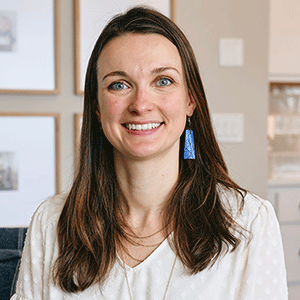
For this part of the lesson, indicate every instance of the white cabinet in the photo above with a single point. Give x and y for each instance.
(288, 206)
(294, 292)
(291, 242)
(286, 201)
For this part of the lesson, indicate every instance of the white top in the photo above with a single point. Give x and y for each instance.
(253, 272)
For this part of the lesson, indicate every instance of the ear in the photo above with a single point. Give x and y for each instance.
(191, 105)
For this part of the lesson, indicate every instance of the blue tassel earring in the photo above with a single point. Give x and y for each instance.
(189, 146)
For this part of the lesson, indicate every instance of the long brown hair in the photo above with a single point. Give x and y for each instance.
(90, 224)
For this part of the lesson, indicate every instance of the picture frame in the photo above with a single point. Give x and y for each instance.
(29, 164)
(29, 47)
(90, 18)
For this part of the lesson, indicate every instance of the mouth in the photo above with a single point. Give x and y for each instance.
(141, 127)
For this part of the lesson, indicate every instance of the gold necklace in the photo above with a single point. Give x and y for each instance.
(168, 283)
(141, 260)
(137, 244)
(147, 236)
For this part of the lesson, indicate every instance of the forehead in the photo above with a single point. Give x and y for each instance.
(139, 49)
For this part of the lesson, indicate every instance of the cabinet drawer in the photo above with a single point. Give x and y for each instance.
(291, 245)
(294, 292)
(288, 206)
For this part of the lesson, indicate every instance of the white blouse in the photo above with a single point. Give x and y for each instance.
(255, 271)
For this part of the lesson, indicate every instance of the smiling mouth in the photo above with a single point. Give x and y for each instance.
(138, 127)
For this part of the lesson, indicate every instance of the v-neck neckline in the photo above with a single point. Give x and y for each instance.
(148, 259)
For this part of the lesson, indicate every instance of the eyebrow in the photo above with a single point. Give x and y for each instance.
(162, 69)
(115, 73)
(154, 71)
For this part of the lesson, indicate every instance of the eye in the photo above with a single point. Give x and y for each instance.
(117, 86)
(164, 81)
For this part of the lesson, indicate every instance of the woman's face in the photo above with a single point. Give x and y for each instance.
(142, 94)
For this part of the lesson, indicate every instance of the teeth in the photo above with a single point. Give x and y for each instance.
(142, 126)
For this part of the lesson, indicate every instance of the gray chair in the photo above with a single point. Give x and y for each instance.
(11, 246)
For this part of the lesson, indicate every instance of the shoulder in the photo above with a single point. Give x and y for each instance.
(49, 211)
(257, 211)
(248, 211)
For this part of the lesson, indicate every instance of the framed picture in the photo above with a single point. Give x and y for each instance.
(29, 47)
(29, 164)
(77, 131)
(90, 19)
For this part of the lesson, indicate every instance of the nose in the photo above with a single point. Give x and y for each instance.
(140, 102)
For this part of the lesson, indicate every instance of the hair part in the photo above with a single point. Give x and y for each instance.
(91, 224)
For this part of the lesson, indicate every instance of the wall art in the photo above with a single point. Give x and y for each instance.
(29, 57)
(29, 164)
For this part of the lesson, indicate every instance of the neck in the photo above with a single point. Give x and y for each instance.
(146, 186)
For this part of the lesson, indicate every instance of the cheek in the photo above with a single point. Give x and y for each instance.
(110, 116)
(176, 114)
(176, 106)
(110, 110)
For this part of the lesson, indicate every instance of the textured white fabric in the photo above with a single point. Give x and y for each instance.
(255, 271)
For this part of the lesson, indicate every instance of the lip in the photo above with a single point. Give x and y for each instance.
(142, 132)
(141, 122)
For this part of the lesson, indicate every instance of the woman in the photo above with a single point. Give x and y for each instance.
(150, 215)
